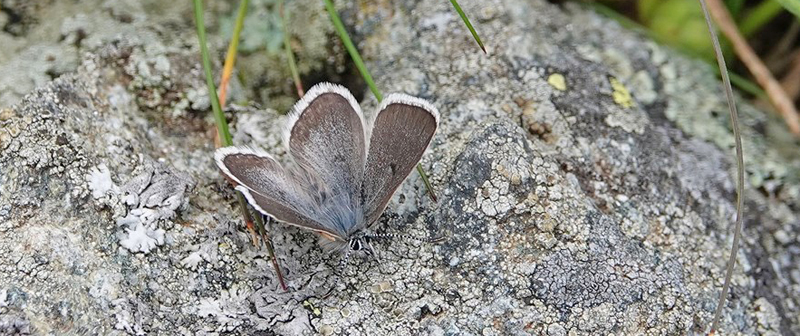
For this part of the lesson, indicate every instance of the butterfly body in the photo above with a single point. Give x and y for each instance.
(345, 170)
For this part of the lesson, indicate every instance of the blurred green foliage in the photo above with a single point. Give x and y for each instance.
(791, 5)
(262, 27)
(679, 23)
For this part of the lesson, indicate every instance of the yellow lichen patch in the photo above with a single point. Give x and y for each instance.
(557, 81)
(385, 286)
(308, 305)
(326, 330)
(6, 114)
(621, 94)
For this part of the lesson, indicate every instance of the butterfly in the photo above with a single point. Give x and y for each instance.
(344, 170)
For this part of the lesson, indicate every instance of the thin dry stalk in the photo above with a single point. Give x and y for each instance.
(780, 100)
(791, 82)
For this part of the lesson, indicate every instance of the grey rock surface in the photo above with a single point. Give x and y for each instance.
(44, 39)
(584, 177)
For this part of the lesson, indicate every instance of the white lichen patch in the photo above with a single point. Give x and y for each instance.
(207, 251)
(100, 183)
(643, 87)
(260, 130)
(229, 310)
(152, 198)
(142, 238)
(3, 297)
(630, 119)
(767, 318)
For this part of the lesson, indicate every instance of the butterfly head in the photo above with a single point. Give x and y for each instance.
(360, 243)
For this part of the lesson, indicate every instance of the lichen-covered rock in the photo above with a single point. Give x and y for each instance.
(584, 178)
(44, 39)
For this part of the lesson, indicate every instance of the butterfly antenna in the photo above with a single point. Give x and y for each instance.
(405, 237)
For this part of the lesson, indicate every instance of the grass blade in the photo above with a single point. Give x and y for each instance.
(230, 57)
(219, 117)
(759, 16)
(792, 6)
(227, 70)
(427, 183)
(469, 25)
(222, 125)
(288, 49)
(351, 49)
(739, 168)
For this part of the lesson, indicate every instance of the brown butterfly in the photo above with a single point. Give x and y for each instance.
(344, 172)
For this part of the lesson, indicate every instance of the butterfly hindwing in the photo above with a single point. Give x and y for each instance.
(269, 188)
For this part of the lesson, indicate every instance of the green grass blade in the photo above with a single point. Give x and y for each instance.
(351, 49)
(759, 16)
(427, 183)
(734, 6)
(219, 117)
(288, 50)
(745, 84)
(469, 25)
(792, 6)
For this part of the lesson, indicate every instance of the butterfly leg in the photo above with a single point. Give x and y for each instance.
(374, 253)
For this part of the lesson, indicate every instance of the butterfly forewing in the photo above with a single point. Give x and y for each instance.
(401, 132)
(326, 137)
(269, 188)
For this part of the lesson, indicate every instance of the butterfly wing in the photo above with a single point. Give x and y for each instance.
(401, 131)
(269, 188)
(325, 135)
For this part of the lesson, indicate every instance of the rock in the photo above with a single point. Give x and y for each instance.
(584, 177)
(44, 40)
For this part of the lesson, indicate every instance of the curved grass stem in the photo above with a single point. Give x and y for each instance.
(739, 169)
